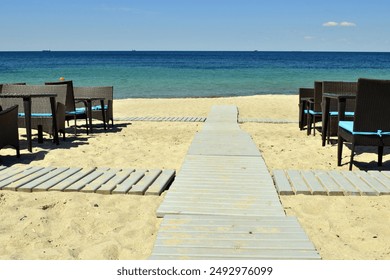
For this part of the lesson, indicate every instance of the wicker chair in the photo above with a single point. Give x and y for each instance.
(314, 109)
(339, 87)
(305, 95)
(9, 135)
(107, 93)
(70, 105)
(371, 125)
(41, 118)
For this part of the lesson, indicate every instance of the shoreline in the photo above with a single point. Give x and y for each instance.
(54, 225)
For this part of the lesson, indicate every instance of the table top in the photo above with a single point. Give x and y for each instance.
(339, 95)
(89, 98)
(24, 95)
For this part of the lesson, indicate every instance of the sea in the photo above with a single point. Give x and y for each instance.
(167, 74)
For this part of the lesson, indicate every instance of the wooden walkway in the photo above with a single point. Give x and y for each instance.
(291, 182)
(90, 180)
(223, 203)
(162, 119)
(198, 119)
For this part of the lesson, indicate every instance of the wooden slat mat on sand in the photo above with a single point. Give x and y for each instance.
(223, 203)
(96, 180)
(332, 182)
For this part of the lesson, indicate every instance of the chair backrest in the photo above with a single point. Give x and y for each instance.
(69, 103)
(317, 96)
(372, 106)
(38, 105)
(306, 93)
(106, 92)
(9, 127)
(341, 87)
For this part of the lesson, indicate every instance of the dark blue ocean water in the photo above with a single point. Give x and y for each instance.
(154, 74)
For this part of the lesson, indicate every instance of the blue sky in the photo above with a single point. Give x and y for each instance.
(329, 25)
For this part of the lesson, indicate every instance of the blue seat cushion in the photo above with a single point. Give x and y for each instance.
(80, 110)
(348, 114)
(77, 112)
(99, 108)
(37, 115)
(348, 126)
(312, 112)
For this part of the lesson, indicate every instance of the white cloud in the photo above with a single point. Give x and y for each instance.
(347, 24)
(342, 24)
(330, 24)
(309, 38)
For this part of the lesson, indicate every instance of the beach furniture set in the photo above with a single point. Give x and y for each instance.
(48, 107)
(356, 112)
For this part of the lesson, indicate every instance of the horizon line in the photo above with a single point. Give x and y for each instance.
(135, 50)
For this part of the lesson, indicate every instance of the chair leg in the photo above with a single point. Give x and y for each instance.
(17, 152)
(301, 115)
(328, 130)
(87, 125)
(352, 155)
(314, 125)
(75, 125)
(309, 121)
(380, 155)
(40, 134)
(340, 144)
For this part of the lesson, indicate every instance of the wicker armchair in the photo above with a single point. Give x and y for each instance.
(371, 125)
(41, 118)
(9, 135)
(305, 95)
(107, 93)
(70, 105)
(342, 88)
(314, 109)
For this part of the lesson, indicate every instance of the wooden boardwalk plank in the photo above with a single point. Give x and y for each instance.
(381, 178)
(32, 176)
(358, 183)
(222, 199)
(10, 172)
(347, 187)
(142, 185)
(162, 182)
(50, 183)
(234, 243)
(313, 183)
(96, 184)
(373, 182)
(4, 184)
(298, 184)
(111, 185)
(125, 185)
(80, 184)
(329, 179)
(179, 209)
(282, 184)
(237, 253)
(4, 169)
(66, 182)
(41, 180)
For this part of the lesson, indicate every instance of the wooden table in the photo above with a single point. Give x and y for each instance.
(88, 101)
(27, 111)
(342, 100)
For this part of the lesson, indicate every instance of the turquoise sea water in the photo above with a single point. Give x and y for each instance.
(154, 74)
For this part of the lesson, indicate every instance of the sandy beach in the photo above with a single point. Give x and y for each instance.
(55, 225)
